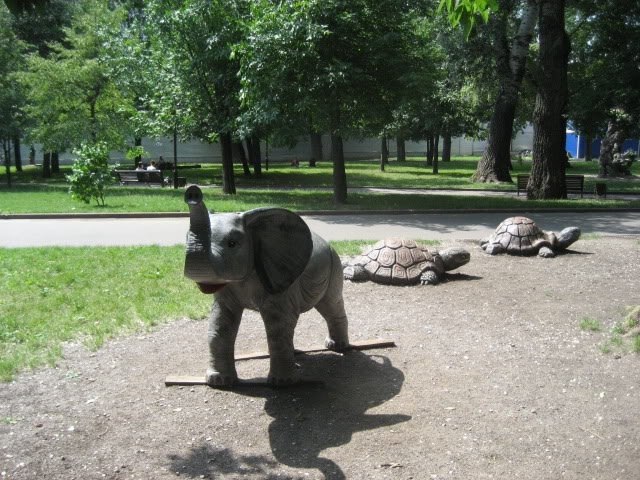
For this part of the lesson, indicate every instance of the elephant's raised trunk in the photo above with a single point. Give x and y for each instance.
(198, 213)
(197, 265)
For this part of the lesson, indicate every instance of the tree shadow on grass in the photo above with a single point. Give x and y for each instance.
(310, 419)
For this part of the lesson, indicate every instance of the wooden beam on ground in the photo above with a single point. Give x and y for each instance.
(189, 380)
(358, 345)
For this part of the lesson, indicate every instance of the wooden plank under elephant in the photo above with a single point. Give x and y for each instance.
(188, 380)
(357, 345)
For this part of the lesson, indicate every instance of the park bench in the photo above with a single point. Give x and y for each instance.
(140, 177)
(573, 184)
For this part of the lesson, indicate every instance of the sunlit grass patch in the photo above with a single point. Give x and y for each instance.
(55, 295)
(305, 189)
(590, 324)
(625, 334)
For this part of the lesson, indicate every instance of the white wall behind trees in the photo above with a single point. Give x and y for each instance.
(197, 152)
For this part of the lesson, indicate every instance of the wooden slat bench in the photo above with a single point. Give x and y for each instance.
(573, 184)
(140, 177)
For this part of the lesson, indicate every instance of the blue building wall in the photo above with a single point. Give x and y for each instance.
(576, 145)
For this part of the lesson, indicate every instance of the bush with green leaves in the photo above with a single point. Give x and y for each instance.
(91, 173)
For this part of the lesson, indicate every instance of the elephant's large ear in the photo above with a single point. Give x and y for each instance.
(282, 246)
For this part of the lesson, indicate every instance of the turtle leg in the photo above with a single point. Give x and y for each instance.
(546, 252)
(429, 277)
(355, 273)
(494, 248)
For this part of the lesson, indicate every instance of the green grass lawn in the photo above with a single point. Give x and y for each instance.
(56, 295)
(305, 189)
(37, 199)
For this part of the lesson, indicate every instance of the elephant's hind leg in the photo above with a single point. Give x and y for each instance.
(332, 309)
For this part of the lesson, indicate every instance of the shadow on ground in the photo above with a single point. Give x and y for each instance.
(308, 420)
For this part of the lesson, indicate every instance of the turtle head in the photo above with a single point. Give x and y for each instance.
(567, 236)
(454, 257)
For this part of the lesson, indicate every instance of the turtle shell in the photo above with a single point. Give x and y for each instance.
(519, 236)
(396, 261)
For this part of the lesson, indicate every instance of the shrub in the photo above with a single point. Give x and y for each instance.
(90, 173)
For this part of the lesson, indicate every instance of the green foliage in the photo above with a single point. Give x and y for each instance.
(41, 24)
(466, 12)
(604, 37)
(72, 96)
(324, 64)
(192, 41)
(91, 173)
(136, 152)
(12, 62)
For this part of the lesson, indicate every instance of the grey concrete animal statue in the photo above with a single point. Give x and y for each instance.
(521, 236)
(401, 261)
(266, 260)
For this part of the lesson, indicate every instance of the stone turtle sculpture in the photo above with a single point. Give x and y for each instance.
(400, 261)
(521, 236)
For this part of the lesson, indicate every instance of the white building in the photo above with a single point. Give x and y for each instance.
(197, 152)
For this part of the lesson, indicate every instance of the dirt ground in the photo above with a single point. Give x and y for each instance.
(492, 377)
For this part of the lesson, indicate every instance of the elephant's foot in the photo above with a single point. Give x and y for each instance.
(217, 379)
(336, 345)
(284, 377)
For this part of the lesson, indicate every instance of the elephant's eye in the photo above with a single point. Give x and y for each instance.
(232, 243)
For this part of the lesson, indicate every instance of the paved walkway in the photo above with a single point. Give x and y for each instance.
(171, 231)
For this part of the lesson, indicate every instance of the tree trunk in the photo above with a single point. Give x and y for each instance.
(17, 155)
(549, 121)
(429, 150)
(228, 179)
(240, 155)
(611, 144)
(511, 62)
(316, 148)
(494, 164)
(588, 152)
(137, 142)
(46, 165)
(255, 155)
(384, 152)
(55, 162)
(446, 147)
(401, 149)
(436, 142)
(339, 172)
(7, 161)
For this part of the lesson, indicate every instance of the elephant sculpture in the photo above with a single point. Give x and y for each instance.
(266, 260)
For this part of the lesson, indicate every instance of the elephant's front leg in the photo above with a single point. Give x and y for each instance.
(280, 326)
(223, 329)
